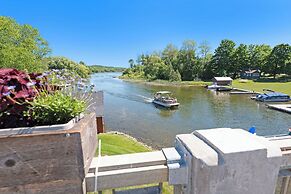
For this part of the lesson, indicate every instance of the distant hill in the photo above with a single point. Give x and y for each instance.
(100, 69)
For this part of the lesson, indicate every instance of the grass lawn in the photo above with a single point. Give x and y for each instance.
(167, 83)
(284, 87)
(113, 144)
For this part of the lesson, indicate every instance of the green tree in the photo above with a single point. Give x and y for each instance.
(189, 67)
(155, 68)
(204, 58)
(131, 63)
(222, 60)
(21, 46)
(170, 56)
(64, 63)
(204, 51)
(279, 60)
(240, 60)
(258, 55)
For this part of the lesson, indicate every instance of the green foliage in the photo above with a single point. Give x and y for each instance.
(100, 69)
(240, 60)
(223, 58)
(21, 46)
(175, 75)
(258, 56)
(189, 63)
(63, 63)
(279, 60)
(55, 108)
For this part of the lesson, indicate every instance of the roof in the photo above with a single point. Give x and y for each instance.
(163, 92)
(222, 78)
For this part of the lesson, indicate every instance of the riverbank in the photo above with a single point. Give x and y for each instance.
(249, 85)
(114, 143)
(167, 83)
(259, 87)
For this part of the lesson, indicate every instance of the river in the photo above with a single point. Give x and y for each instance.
(128, 109)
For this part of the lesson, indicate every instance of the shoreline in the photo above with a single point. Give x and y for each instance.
(138, 140)
(167, 83)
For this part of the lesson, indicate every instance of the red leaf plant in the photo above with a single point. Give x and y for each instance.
(16, 89)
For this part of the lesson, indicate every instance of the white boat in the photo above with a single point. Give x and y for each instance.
(163, 98)
(213, 86)
(224, 88)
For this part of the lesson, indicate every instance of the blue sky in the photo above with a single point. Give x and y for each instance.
(110, 32)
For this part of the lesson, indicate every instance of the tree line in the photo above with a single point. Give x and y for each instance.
(101, 69)
(195, 62)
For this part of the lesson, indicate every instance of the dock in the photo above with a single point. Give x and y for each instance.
(242, 91)
(280, 107)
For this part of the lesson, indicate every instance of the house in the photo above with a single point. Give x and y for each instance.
(250, 74)
(222, 81)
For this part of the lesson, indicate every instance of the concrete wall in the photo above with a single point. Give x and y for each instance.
(229, 161)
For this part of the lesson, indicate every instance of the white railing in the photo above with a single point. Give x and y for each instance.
(154, 167)
(127, 170)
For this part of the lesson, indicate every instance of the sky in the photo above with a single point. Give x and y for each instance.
(110, 32)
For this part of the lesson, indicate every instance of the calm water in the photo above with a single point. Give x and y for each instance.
(128, 109)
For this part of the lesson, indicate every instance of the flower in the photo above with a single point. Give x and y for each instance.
(6, 93)
(39, 77)
(11, 87)
(29, 84)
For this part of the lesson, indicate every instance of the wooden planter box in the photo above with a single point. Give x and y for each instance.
(54, 161)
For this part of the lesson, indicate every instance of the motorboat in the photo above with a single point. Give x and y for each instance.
(224, 89)
(213, 86)
(272, 97)
(163, 98)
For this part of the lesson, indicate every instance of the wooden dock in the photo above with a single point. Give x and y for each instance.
(242, 91)
(280, 107)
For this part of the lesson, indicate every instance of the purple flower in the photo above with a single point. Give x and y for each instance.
(6, 93)
(11, 87)
(29, 84)
(39, 77)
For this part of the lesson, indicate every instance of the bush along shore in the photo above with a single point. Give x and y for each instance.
(191, 62)
(166, 83)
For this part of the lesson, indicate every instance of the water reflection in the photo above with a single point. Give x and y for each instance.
(128, 108)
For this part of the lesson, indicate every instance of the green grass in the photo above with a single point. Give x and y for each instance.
(284, 87)
(165, 82)
(114, 144)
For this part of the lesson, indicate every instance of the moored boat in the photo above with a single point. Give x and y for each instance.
(163, 98)
(224, 88)
(213, 86)
(272, 97)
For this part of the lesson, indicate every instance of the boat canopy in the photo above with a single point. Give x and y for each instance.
(272, 94)
(163, 92)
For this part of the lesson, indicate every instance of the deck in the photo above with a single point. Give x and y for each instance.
(280, 107)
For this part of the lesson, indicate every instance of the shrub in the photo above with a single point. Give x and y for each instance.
(53, 97)
(55, 108)
(21, 46)
(16, 89)
(64, 63)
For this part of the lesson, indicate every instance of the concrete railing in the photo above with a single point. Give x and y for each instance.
(127, 170)
(226, 161)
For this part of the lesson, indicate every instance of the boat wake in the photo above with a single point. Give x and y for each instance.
(132, 97)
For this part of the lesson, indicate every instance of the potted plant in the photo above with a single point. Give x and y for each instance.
(45, 137)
